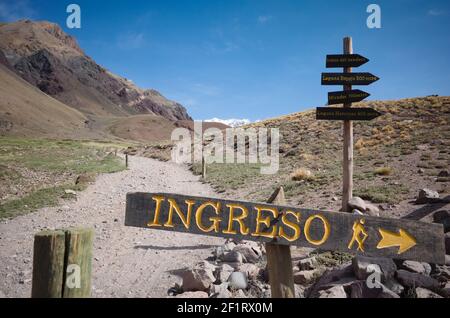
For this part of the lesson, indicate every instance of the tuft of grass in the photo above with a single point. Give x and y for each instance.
(383, 171)
(302, 174)
(383, 194)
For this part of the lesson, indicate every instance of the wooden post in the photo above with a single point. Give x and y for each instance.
(48, 264)
(279, 261)
(78, 262)
(203, 168)
(62, 264)
(347, 189)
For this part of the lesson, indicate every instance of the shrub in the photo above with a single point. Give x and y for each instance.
(383, 171)
(302, 174)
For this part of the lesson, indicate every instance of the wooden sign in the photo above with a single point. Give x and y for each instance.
(346, 60)
(364, 235)
(348, 78)
(333, 113)
(344, 97)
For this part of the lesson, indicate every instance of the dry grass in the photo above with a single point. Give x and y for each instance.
(383, 171)
(302, 174)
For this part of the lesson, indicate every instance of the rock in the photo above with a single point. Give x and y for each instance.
(445, 290)
(427, 196)
(238, 280)
(340, 276)
(85, 178)
(304, 277)
(442, 217)
(357, 212)
(425, 293)
(360, 289)
(220, 291)
(447, 260)
(395, 286)
(233, 257)
(197, 294)
(307, 263)
(444, 174)
(333, 292)
(385, 266)
(224, 272)
(447, 243)
(413, 280)
(200, 278)
(68, 191)
(252, 271)
(421, 171)
(357, 203)
(249, 254)
(416, 267)
(239, 294)
(372, 210)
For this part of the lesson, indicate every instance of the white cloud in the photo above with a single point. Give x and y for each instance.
(262, 19)
(15, 10)
(436, 12)
(131, 41)
(233, 122)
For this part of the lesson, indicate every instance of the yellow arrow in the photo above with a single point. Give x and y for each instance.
(390, 239)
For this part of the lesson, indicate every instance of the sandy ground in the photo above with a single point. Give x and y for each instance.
(128, 262)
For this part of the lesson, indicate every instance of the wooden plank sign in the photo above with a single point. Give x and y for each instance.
(346, 60)
(344, 97)
(348, 78)
(333, 113)
(263, 222)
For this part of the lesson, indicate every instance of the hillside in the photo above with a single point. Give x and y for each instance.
(46, 57)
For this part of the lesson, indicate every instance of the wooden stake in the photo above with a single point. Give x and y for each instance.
(347, 192)
(279, 261)
(78, 262)
(48, 264)
(126, 160)
(203, 168)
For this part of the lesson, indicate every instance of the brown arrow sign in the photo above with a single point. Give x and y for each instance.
(348, 78)
(346, 232)
(333, 113)
(344, 97)
(346, 60)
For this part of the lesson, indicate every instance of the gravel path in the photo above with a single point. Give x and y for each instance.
(128, 262)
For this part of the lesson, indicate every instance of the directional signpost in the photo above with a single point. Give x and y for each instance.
(345, 97)
(268, 223)
(334, 113)
(348, 60)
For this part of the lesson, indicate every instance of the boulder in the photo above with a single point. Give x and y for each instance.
(238, 280)
(414, 280)
(444, 174)
(360, 289)
(200, 278)
(307, 263)
(304, 277)
(85, 178)
(251, 270)
(395, 286)
(233, 257)
(333, 292)
(220, 291)
(249, 254)
(223, 272)
(425, 293)
(365, 266)
(416, 267)
(427, 196)
(358, 204)
(197, 294)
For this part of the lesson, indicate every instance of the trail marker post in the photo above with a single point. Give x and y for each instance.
(348, 60)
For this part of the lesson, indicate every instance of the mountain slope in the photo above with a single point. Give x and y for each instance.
(46, 57)
(26, 111)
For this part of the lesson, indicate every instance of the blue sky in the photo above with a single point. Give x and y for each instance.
(256, 58)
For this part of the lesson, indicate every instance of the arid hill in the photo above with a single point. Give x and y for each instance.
(46, 57)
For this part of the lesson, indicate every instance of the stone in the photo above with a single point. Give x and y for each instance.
(233, 257)
(200, 278)
(85, 178)
(413, 280)
(425, 293)
(427, 196)
(395, 286)
(68, 191)
(333, 277)
(444, 174)
(360, 289)
(442, 217)
(447, 243)
(251, 270)
(238, 280)
(333, 292)
(415, 267)
(239, 294)
(357, 212)
(224, 272)
(445, 290)
(197, 294)
(304, 277)
(248, 253)
(357, 203)
(307, 263)
(220, 291)
(372, 210)
(385, 266)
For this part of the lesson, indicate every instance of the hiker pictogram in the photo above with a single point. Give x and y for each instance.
(359, 235)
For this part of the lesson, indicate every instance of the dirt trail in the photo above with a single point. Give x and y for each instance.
(128, 262)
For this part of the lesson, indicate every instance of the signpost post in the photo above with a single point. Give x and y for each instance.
(283, 225)
(348, 96)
